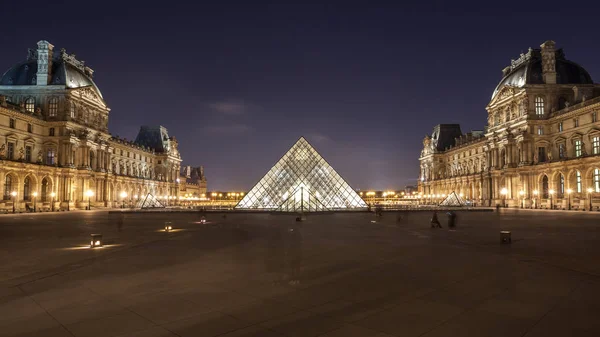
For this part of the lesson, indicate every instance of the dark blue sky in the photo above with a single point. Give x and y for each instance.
(238, 83)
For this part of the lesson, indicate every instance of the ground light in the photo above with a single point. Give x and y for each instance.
(52, 195)
(96, 240)
(168, 227)
(34, 194)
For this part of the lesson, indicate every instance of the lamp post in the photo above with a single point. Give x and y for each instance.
(14, 196)
(590, 190)
(52, 195)
(89, 194)
(504, 191)
(535, 194)
(569, 191)
(522, 194)
(123, 196)
(551, 192)
(34, 194)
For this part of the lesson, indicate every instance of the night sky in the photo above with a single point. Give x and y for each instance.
(238, 83)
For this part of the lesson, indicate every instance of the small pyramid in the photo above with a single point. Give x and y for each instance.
(453, 200)
(150, 201)
(302, 181)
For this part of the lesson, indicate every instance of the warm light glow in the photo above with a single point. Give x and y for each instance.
(123, 194)
(89, 193)
(177, 180)
(590, 190)
(521, 193)
(34, 194)
(13, 193)
(461, 195)
(52, 194)
(135, 196)
(213, 194)
(569, 191)
(242, 193)
(503, 191)
(551, 192)
(535, 192)
(220, 194)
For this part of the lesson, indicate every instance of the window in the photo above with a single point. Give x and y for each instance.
(594, 117)
(596, 180)
(11, 123)
(28, 154)
(539, 106)
(561, 186)
(578, 148)
(561, 151)
(578, 181)
(51, 132)
(45, 190)
(576, 122)
(50, 157)
(541, 154)
(29, 127)
(560, 127)
(72, 110)
(26, 189)
(596, 145)
(8, 186)
(545, 187)
(53, 107)
(121, 152)
(10, 152)
(30, 104)
(540, 130)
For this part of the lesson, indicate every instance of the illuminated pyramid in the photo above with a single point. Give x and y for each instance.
(302, 181)
(150, 201)
(453, 200)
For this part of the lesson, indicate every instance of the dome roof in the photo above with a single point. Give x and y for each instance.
(528, 70)
(63, 73)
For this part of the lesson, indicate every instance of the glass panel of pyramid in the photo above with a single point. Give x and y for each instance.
(454, 200)
(150, 201)
(302, 181)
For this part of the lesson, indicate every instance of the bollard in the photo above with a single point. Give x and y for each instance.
(96, 240)
(505, 237)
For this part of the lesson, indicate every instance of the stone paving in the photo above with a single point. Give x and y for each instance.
(331, 275)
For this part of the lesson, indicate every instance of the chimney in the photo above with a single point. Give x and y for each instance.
(549, 62)
(44, 61)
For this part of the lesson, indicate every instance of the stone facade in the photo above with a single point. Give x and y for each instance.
(541, 146)
(55, 142)
(193, 182)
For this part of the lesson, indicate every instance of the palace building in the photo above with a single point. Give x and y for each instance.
(541, 145)
(56, 150)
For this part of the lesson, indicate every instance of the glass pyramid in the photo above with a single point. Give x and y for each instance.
(302, 181)
(150, 201)
(453, 200)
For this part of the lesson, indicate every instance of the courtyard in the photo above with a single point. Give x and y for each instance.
(340, 274)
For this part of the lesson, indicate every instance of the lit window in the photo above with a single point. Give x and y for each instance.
(10, 151)
(11, 123)
(578, 181)
(51, 132)
(597, 180)
(53, 107)
(50, 157)
(596, 145)
(30, 104)
(560, 127)
(576, 122)
(540, 130)
(578, 148)
(594, 117)
(29, 127)
(561, 151)
(539, 106)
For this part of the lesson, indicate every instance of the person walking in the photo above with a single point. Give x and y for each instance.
(435, 223)
(451, 220)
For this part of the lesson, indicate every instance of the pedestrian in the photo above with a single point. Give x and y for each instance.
(451, 220)
(434, 221)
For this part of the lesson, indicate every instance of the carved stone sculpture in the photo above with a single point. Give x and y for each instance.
(21, 153)
(39, 156)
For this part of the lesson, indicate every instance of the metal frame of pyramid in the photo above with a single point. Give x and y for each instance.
(150, 201)
(453, 200)
(301, 181)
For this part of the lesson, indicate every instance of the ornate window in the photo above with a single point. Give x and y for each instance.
(539, 106)
(12, 123)
(28, 154)
(561, 151)
(51, 132)
(30, 104)
(578, 148)
(53, 107)
(29, 128)
(8, 186)
(10, 151)
(27, 188)
(578, 181)
(561, 186)
(576, 122)
(596, 145)
(45, 190)
(545, 187)
(560, 127)
(597, 180)
(50, 157)
(540, 130)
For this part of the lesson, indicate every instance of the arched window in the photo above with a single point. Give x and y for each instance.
(8, 186)
(539, 106)
(45, 190)
(53, 107)
(597, 180)
(578, 181)
(561, 186)
(26, 189)
(30, 104)
(545, 190)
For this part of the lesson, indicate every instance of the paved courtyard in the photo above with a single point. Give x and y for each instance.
(332, 275)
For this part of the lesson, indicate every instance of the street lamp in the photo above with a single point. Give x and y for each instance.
(504, 191)
(34, 194)
(551, 192)
(89, 194)
(522, 194)
(52, 195)
(123, 196)
(14, 196)
(590, 190)
(535, 194)
(569, 191)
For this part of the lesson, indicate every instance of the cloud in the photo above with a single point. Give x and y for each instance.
(230, 108)
(229, 129)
